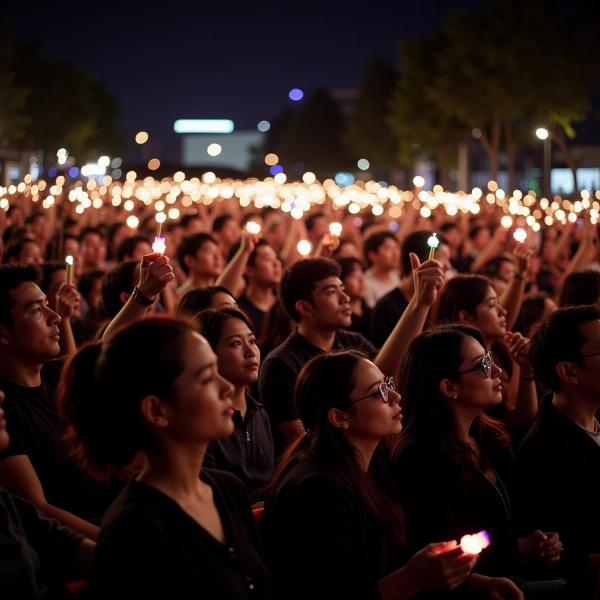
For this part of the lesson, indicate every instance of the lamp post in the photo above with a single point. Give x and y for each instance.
(543, 134)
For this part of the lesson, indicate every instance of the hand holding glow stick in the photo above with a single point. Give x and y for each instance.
(304, 247)
(253, 227)
(335, 229)
(159, 246)
(433, 242)
(69, 260)
(520, 235)
(476, 543)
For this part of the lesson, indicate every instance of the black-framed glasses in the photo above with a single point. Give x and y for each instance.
(383, 391)
(485, 365)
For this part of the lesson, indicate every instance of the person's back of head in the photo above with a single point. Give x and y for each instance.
(565, 350)
(117, 285)
(300, 279)
(581, 287)
(199, 299)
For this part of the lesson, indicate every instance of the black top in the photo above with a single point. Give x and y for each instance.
(149, 547)
(387, 311)
(248, 452)
(35, 430)
(256, 315)
(318, 538)
(441, 508)
(362, 324)
(36, 554)
(558, 484)
(282, 366)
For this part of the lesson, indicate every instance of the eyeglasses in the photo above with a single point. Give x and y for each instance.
(485, 366)
(383, 391)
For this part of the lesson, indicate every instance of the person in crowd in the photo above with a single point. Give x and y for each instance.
(352, 276)
(392, 305)
(226, 231)
(91, 308)
(36, 464)
(176, 528)
(581, 287)
(316, 227)
(133, 248)
(92, 247)
(558, 487)
(117, 232)
(478, 239)
(200, 259)
(23, 251)
(248, 452)
(39, 555)
(261, 269)
(382, 253)
(276, 328)
(471, 299)
(38, 227)
(499, 270)
(312, 294)
(453, 463)
(191, 223)
(347, 247)
(63, 244)
(332, 524)
(199, 299)
(535, 308)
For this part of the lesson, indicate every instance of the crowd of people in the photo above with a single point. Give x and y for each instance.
(235, 419)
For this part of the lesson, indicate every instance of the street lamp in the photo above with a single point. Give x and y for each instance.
(543, 134)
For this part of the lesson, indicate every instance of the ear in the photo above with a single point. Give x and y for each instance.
(304, 308)
(153, 411)
(337, 418)
(567, 373)
(464, 317)
(448, 389)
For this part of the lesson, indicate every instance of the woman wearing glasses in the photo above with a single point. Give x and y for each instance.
(453, 462)
(471, 299)
(331, 527)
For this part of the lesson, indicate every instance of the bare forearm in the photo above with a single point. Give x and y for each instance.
(132, 311)
(512, 299)
(70, 520)
(67, 339)
(232, 275)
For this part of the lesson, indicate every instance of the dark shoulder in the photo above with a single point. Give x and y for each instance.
(352, 340)
(285, 349)
(228, 483)
(52, 369)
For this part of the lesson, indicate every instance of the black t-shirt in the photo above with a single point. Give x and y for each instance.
(362, 324)
(387, 311)
(36, 553)
(36, 431)
(248, 452)
(149, 547)
(256, 315)
(282, 366)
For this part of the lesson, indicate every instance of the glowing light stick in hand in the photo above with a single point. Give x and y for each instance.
(474, 544)
(433, 242)
(69, 261)
(335, 229)
(253, 227)
(520, 235)
(159, 246)
(304, 247)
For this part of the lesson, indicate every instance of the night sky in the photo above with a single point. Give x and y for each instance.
(235, 60)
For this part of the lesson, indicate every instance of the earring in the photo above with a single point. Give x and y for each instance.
(345, 425)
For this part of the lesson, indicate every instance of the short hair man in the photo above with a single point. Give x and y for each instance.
(200, 259)
(558, 464)
(382, 251)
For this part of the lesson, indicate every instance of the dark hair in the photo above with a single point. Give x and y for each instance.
(190, 245)
(299, 280)
(48, 269)
(210, 323)
(220, 221)
(85, 282)
(348, 264)
(558, 339)
(249, 216)
(128, 245)
(474, 231)
(121, 278)
(14, 249)
(427, 414)
(102, 385)
(448, 226)
(187, 219)
(416, 243)
(252, 258)
(199, 299)
(531, 313)
(87, 230)
(374, 242)
(463, 292)
(309, 222)
(55, 248)
(581, 287)
(11, 277)
(275, 329)
(326, 382)
(492, 267)
(35, 216)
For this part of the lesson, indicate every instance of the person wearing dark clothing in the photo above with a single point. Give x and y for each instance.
(177, 530)
(558, 463)
(255, 314)
(353, 278)
(385, 314)
(150, 547)
(248, 452)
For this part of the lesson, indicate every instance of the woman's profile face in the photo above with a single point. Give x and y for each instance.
(201, 409)
(475, 387)
(237, 353)
(369, 417)
(490, 316)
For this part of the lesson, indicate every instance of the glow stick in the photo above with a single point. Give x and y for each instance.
(474, 544)
(520, 235)
(304, 247)
(159, 246)
(69, 261)
(335, 229)
(433, 242)
(253, 227)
